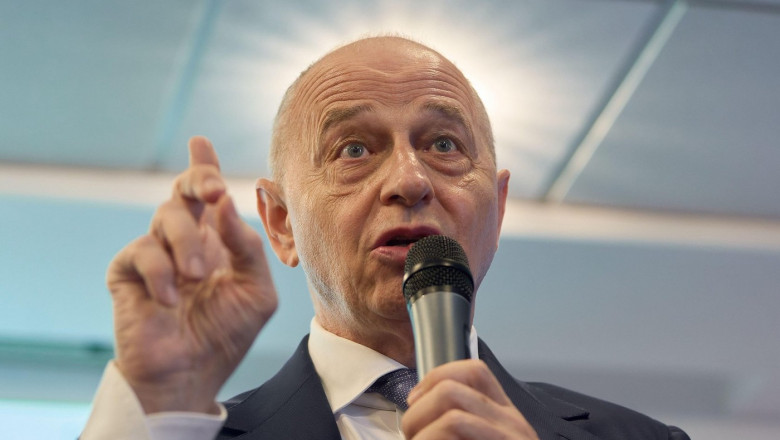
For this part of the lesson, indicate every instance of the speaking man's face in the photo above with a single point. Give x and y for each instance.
(390, 154)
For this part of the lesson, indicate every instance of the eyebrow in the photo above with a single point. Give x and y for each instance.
(448, 111)
(339, 115)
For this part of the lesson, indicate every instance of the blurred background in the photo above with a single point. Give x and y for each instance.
(640, 256)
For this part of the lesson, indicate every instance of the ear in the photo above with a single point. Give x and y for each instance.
(276, 221)
(502, 184)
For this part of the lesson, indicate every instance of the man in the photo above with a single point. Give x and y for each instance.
(376, 145)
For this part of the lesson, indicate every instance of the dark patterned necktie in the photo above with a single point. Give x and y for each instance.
(395, 386)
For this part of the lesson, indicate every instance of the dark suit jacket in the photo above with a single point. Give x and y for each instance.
(293, 405)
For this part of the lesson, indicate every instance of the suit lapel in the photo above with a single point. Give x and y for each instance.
(291, 405)
(549, 416)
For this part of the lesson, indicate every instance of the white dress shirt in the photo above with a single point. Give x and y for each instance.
(346, 370)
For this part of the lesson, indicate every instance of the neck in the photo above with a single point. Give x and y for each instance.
(393, 339)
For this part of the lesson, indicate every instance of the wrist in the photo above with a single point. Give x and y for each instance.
(179, 392)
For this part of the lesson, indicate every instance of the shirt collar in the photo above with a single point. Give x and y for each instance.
(347, 369)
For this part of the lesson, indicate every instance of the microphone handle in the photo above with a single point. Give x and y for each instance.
(440, 321)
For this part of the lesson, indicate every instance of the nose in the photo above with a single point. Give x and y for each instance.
(407, 181)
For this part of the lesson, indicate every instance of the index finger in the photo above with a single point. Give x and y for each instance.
(202, 181)
(202, 152)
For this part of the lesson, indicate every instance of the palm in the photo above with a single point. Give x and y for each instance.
(175, 325)
(214, 322)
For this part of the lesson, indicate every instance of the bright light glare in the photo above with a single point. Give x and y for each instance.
(473, 35)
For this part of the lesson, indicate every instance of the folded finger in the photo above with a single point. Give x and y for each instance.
(199, 183)
(471, 372)
(447, 396)
(179, 232)
(458, 424)
(458, 409)
(146, 261)
(202, 180)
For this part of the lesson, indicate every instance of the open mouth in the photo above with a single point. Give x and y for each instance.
(402, 241)
(407, 238)
(404, 237)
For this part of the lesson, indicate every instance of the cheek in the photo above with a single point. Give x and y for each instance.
(330, 223)
(476, 221)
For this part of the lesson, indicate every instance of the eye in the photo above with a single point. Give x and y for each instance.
(444, 145)
(354, 151)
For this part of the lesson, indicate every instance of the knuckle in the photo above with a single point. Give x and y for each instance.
(156, 271)
(199, 173)
(205, 170)
(448, 387)
(477, 372)
(163, 211)
(482, 371)
(181, 179)
(165, 208)
(144, 241)
(452, 392)
(454, 419)
(135, 247)
(124, 264)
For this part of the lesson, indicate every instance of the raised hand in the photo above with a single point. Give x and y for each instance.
(191, 295)
(463, 400)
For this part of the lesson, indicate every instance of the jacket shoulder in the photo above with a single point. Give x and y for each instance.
(605, 419)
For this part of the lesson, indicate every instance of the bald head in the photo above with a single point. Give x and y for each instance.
(293, 131)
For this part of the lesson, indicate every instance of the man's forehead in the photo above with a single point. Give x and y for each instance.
(437, 106)
(343, 82)
(373, 73)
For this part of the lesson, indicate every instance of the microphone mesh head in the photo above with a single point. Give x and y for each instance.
(437, 261)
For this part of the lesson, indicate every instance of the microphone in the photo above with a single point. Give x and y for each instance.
(438, 288)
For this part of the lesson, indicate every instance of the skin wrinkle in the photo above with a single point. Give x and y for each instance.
(342, 204)
(281, 131)
(315, 279)
(461, 171)
(337, 116)
(444, 106)
(282, 122)
(333, 74)
(329, 148)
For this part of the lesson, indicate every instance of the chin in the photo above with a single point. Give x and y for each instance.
(393, 307)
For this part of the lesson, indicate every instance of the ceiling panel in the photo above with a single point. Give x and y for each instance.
(541, 67)
(117, 85)
(700, 134)
(86, 82)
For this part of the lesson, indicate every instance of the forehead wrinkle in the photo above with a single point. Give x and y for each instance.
(317, 81)
(339, 81)
(401, 91)
(327, 85)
